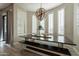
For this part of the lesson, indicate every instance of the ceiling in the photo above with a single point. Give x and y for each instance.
(3, 5)
(35, 6)
(32, 6)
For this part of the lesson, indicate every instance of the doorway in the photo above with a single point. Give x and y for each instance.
(4, 17)
(3, 28)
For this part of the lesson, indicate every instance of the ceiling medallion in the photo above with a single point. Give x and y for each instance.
(40, 13)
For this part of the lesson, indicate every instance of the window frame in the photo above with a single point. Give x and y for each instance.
(52, 23)
(63, 21)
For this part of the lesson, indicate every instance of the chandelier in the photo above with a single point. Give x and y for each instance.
(40, 13)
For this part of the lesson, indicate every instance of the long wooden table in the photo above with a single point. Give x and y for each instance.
(60, 40)
(45, 49)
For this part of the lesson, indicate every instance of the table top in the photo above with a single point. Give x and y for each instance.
(29, 36)
(50, 38)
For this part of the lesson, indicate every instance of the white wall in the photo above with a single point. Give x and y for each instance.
(19, 15)
(29, 22)
(76, 27)
(69, 17)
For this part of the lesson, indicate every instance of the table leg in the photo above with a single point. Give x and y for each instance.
(60, 45)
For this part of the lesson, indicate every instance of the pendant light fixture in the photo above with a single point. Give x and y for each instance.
(40, 13)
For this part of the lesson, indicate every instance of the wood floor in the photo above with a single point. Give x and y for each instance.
(6, 50)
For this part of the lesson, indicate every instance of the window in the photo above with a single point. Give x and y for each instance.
(61, 22)
(42, 23)
(42, 30)
(50, 23)
(34, 24)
